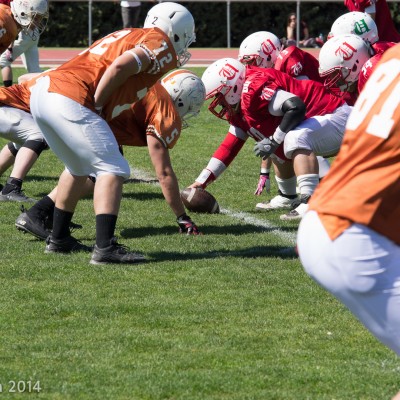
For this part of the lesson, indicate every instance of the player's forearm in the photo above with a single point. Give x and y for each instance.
(170, 188)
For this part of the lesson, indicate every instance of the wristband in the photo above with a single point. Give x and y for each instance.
(279, 135)
(139, 63)
(205, 177)
(183, 216)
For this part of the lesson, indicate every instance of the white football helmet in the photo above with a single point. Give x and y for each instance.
(357, 23)
(341, 60)
(187, 92)
(177, 23)
(224, 80)
(260, 49)
(32, 15)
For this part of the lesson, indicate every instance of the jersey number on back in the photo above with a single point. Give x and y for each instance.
(382, 120)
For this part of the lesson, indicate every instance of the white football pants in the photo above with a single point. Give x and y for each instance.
(80, 138)
(361, 268)
(18, 126)
(322, 134)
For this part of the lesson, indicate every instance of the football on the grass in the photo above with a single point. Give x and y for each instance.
(199, 200)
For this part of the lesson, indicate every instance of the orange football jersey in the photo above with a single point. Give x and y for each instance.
(17, 96)
(363, 185)
(155, 115)
(79, 77)
(8, 28)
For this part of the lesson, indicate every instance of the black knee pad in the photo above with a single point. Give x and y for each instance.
(36, 145)
(12, 148)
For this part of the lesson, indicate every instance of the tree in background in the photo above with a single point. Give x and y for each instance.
(68, 23)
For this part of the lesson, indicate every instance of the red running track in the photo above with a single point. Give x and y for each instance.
(51, 57)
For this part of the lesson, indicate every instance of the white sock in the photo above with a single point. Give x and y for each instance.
(307, 183)
(287, 186)
(324, 166)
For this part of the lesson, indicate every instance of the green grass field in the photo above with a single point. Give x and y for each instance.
(229, 315)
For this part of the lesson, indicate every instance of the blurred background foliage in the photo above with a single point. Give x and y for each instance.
(68, 23)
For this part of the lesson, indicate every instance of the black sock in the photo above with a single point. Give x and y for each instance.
(8, 83)
(12, 184)
(42, 208)
(61, 223)
(105, 228)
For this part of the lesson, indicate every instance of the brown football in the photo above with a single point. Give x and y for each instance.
(199, 200)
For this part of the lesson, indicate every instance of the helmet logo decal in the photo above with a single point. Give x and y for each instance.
(346, 51)
(361, 27)
(228, 71)
(267, 47)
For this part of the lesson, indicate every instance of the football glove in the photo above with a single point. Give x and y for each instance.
(263, 182)
(186, 225)
(265, 147)
(9, 54)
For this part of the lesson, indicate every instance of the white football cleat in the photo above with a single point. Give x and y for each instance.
(277, 203)
(296, 214)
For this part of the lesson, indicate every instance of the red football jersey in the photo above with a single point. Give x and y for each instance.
(297, 62)
(262, 83)
(368, 67)
(363, 184)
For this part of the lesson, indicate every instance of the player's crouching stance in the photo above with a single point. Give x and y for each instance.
(107, 78)
(177, 98)
(350, 244)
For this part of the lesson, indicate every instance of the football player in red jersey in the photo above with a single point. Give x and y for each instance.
(264, 49)
(349, 240)
(362, 24)
(270, 106)
(105, 79)
(380, 12)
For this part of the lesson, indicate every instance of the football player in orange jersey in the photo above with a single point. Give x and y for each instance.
(105, 79)
(349, 240)
(32, 15)
(154, 121)
(28, 16)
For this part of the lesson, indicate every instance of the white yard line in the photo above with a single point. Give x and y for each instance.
(286, 237)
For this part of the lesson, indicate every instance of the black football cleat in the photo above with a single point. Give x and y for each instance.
(16, 195)
(66, 245)
(33, 226)
(115, 254)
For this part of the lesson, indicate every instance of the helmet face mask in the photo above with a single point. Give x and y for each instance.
(177, 23)
(260, 49)
(31, 15)
(224, 80)
(341, 60)
(187, 92)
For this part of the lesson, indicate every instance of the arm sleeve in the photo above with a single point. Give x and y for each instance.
(222, 157)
